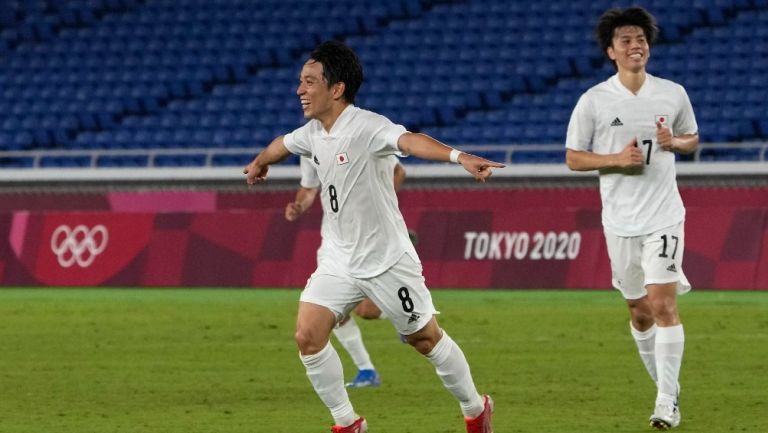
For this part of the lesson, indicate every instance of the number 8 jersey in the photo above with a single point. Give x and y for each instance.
(606, 118)
(364, 233)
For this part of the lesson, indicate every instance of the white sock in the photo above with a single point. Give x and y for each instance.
(646, 347)
(325, 372)
(669, 355)
(453, 370)
(350, 337)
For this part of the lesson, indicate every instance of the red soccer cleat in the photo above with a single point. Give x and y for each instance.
(481, 424)
(359, 426)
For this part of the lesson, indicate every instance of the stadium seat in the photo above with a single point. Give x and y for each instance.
(217, 73)
(128, 161)
(66, 161)
(739, 155)
(538, 157)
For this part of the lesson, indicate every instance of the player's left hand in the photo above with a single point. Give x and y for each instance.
(293, 210)
(479, 168)
(664, 137)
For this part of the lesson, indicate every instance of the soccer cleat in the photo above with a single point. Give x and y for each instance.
(482, 423)
(364, 379)
(665, 417)
(359, 426)
(672, 418)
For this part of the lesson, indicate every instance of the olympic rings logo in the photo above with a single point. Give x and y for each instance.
(80, 245)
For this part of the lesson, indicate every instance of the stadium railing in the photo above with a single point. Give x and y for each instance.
(750, 159)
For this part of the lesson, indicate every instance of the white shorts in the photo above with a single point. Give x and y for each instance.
(399, 292)
(656, 258)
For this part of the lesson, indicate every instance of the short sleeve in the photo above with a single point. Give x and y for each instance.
(685, 121)
(385, 136)
(581, 127)
(392, 134)
(309, 177)
(297, 142)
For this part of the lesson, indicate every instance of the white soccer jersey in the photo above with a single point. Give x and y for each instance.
(309, 178)
(364, 232)
(606, 118)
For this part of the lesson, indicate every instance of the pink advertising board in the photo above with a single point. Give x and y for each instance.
(489, 238)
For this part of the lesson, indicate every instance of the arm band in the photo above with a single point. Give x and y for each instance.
(454, 156)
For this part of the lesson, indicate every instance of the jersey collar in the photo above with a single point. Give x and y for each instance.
(339, 123)
(645, 89)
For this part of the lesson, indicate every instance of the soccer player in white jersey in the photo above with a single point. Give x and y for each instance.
(629, 127)
(347, 331)
(369, 252)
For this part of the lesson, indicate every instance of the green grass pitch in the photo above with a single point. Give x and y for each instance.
(215, 360)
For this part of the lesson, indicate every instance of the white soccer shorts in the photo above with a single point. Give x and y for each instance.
(638, 261)
(399, 292)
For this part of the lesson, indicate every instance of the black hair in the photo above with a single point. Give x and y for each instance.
(615, 18)
(340, 65)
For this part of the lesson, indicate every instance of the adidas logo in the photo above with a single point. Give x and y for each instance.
(617, 122)
(672, 268)
(314, 158)
(414, 317)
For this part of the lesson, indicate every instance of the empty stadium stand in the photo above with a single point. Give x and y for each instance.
(173, 83)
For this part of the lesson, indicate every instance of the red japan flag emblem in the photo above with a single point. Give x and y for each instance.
(663, 119)
(342, 158)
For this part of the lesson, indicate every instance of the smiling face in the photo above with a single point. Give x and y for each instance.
(629, 49)
(316, 96)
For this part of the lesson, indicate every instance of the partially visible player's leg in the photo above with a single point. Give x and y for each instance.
(661, 349)
(453, 369)
(369, 311)
(631, 258)
(670, 342)
(450, 364)
(664, 277)
(324, 301)
(643, 330)
(313, 327)
(349, 335)
(401, 294)
(627, 277)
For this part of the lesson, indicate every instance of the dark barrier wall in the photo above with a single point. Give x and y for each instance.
(488, 238)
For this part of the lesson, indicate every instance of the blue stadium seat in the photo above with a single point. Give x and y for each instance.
(538, 157)
(730, 155)
(73, 161)
(162, 74)
(16, 162)
(229, 160)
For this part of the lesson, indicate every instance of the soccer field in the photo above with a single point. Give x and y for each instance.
(215, 360)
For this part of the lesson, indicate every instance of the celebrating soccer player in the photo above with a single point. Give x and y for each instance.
(629, 127)
(347, 331)
(370, 254)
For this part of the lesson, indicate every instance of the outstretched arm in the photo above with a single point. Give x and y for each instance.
(256, 171)
(426, 147)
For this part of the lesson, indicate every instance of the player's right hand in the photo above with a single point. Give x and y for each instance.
(292, 211)
(631, 156)
(255, 172)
